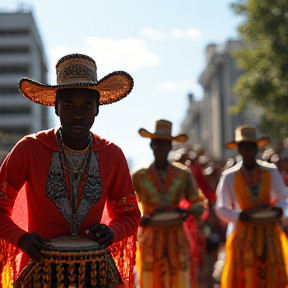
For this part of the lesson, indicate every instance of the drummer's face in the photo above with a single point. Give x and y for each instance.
(161, 148)
(77, 109)
(248, 151)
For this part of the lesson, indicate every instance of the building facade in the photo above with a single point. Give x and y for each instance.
(209, 123)
(21, 55)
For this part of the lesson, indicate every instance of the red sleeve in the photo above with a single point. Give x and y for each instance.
(122, 206)
(12, 178)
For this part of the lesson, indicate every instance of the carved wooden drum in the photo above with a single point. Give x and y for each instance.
(70, 263)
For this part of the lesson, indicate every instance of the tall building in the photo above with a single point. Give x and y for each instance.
(21, 54)
(208, 123)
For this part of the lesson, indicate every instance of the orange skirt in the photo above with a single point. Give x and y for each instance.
(163, 258)
(256, 257)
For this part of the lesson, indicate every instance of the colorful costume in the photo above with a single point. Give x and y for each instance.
(256, 250)
(106, 180)
(164, 254)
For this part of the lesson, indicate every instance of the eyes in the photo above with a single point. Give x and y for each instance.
(86, 106)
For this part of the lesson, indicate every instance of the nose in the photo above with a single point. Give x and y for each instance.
(78, 113)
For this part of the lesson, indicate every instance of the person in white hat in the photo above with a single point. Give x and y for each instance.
(164, 253)
(252, 198)
(69, 173)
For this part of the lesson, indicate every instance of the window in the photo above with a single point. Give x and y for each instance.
(13, 70)
(13, 50)
(8, 90)
(15, 130)
(14, 32)
(15, 110)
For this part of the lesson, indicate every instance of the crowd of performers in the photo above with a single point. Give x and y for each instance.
(244, 249)
(170, 254)
(69, 202)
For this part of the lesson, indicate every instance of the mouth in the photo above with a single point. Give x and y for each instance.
(78, 126)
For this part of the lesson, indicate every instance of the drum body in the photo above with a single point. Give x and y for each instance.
(71, 263)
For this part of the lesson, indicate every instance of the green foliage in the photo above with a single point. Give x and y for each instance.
(275, 129)
(264, 59)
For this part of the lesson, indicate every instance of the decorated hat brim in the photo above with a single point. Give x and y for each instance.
(112, 88)
(179, 138)
(260, 142)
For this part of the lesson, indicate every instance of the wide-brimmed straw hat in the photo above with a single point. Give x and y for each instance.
(163, 129)
(247, 133)
(78, 71)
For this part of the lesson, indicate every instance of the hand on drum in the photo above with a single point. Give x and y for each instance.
(145, 220)
(279, 211)
(196, 210)
(100, 233)
(184, 212)
(32, 243)
(245, 216)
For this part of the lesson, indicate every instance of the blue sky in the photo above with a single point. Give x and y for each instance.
(161, 43)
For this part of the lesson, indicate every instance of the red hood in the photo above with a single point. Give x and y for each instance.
(48, 138)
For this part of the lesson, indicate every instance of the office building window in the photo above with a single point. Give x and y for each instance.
(15, 110)
(16, 130)
(18, 32)
(13, 69)
(13, 50)
(8, 90)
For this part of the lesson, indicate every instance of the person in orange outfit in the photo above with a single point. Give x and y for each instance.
(69, 173)
(252, 199)
(164, 257)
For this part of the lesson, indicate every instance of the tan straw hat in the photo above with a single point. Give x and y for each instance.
(163, 129)
(78, 71)
(247, 133)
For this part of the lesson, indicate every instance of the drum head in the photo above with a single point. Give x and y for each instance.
(264, 214)
(68, 244)
(167, 216)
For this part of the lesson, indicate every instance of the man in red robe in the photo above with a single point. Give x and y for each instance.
(69, 173)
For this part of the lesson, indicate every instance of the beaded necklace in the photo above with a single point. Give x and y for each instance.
(75, 176)
(76, 160)
(253, 179)
(161, 181)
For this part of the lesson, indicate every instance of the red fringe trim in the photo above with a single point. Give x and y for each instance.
(8, 254)
(124, 253)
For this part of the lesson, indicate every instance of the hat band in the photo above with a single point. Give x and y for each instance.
(76, 73)
(245, 139)
(163, 132)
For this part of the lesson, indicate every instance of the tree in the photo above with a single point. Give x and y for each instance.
(265, 61)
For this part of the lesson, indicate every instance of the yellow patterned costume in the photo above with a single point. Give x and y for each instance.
(163, 258)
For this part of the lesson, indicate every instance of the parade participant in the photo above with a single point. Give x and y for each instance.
(69, 173)
(164, 254)
(252, 198)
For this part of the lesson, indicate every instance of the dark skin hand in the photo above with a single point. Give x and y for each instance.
(184, 212)
(32, 244)
(145, 221)
(101, 234)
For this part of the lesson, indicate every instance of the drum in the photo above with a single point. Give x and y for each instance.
(268, 215)
(166, 219)
(70, 262)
